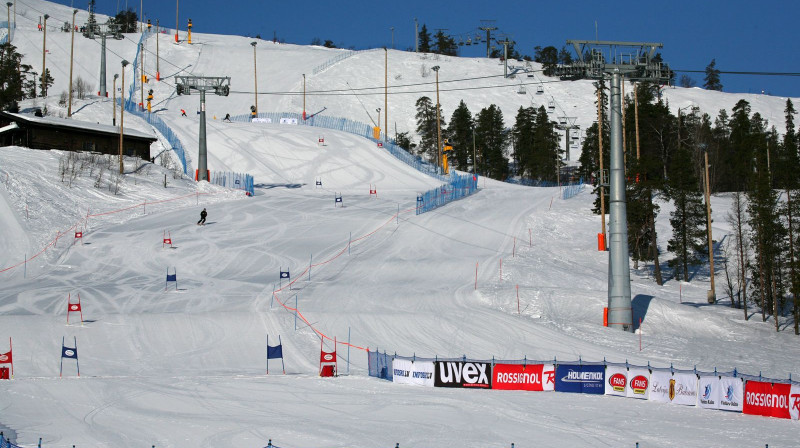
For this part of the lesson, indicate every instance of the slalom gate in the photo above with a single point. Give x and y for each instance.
(460, 186)
(717, 390)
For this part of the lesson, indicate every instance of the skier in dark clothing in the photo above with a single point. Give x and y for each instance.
(203, 215)
(227, 118)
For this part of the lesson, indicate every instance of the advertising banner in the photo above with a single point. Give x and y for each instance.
(288, 120)
(463, 374)
(709, 392)
(731, 394)
(409, 372)
(685, 385)
(660, 382)
(794, 402)
(580, 379)
(767, 399)
(638, 383)
(261, 120)
(533, 377)
(616, 381)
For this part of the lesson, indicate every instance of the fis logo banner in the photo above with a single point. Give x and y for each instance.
(580, 379)
(462, 374)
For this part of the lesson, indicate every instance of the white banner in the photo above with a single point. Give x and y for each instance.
(685, 389)
(262, 120)
(709, 392)
(616, 380)
(638, 383)
(660, 386)
(794, 402)
(288, 120)
(731, 391)
(409, 372)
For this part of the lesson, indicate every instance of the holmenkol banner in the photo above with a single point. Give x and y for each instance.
(616, 381)
(586, 379)
(731, 394)
(463, 374)
(409, 372)
(709, 392)
(534, 377)
(767, 399)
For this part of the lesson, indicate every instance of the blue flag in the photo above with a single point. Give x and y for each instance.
(285, 274)
(69, 352)
(275, 352)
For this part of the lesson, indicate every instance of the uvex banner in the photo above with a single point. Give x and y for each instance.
(409, 372)
(534, 377)
(580, 378)
(767, 399)
(463, 374)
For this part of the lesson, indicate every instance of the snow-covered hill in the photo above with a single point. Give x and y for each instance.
(186, 366)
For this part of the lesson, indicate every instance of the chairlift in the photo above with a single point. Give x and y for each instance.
(540, 89)
(469, 41)
(562, 120)
(551, 106)
(460, 42)
(522, 90)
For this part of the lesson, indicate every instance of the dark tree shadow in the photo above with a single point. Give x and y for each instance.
(639, 306)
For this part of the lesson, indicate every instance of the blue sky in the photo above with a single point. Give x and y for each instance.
(741, 35)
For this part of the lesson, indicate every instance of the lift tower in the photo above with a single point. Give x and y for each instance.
(220, 86)
(615, 60)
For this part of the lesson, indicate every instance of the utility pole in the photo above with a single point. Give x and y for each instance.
(143, 76)
(255, 75)
(416, 36)
(385, 94)
(122, 116)
(114, 100)
(176, 21)
(602, 179)
(220, 86)
(488, 27)
(71, 53)
(597, 60)
(392, 28)
(636, 118)
(712, 293)
(44, 52)
(505, 42)
(435, 68)
(158, 71)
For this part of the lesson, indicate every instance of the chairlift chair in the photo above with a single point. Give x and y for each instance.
(551, 106)
(539, 90)
(460, 42)
(522, 90)
(469, 41)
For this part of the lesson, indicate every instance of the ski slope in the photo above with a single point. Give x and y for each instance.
(186, 366)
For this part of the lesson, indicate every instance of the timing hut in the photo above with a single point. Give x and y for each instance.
(35, 132)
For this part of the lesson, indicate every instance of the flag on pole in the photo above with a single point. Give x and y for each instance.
(275, 352)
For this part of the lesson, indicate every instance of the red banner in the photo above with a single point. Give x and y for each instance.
(767, 399)
(533, 377)
(5, 358)
(327, 357)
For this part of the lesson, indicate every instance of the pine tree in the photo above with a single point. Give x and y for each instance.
(12, 82)
(460, 134)
(127, 20)
(45, 83)
(548, 57)
(426, 128)
(789, 165)
(522, 137)
(424, 40)
(688, 219)
(546, 150)
(712, 81)
(444, 44)
(741, 143)
(492, 137)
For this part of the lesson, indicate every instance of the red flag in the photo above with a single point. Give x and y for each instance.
(74, 307)
(327, 357)
(5, 358)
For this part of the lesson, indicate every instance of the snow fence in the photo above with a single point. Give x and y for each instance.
(459, 186)
(717, 390)
(239, 181)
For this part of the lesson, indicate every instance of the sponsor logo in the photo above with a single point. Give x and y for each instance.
(74, 307)
(401, 373)
(617, 382)
(519, 378)
(639, 385)
(582, 377)
(327, 357)
(671, 389)
(69, 352)
(706, 397)
(767, 400)
(422, 375)
(465, 374)
(795, 399)
(3, 358)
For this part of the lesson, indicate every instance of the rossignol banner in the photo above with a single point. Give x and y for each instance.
(709, 392)
(408, 372)
(533, 377)
(616, 381)
(463, 374)
(638, 383)
(585, 379)
(685, 389)
(731, 394)
(767, 399)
